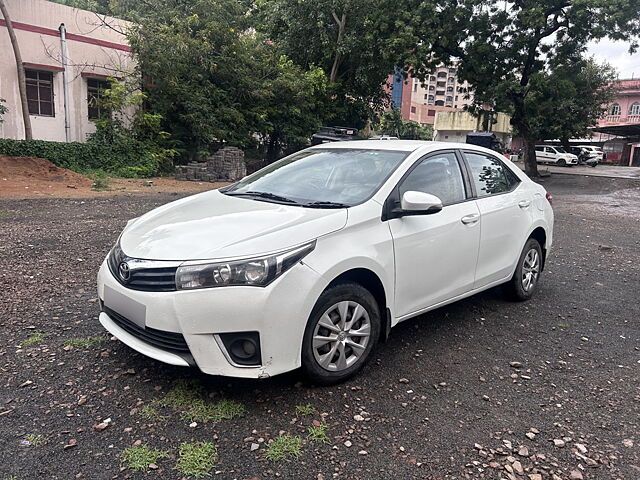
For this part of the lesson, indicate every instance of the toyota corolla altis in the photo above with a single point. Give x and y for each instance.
(312, 260)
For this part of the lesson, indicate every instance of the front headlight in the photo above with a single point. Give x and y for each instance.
(258, 272)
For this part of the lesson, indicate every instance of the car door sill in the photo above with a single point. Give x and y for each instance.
(451, 300)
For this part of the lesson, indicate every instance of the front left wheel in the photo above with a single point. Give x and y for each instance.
(342, 331)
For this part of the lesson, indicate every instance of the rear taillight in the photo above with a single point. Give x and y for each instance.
(549, 198)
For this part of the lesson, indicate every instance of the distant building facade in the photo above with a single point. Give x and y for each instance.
(619, 129)
(80, 65)
(419, 101)
(453, 126)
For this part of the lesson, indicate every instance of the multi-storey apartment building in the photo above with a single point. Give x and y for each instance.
(419, 100)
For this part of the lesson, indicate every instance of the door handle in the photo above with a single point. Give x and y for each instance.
(524, 203)
(467, 219)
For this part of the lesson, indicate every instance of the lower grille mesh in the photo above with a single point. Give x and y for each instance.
(170, 341)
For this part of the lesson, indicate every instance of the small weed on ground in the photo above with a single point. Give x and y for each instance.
(85, 342)
(140, 457)
(101, 181)
(197, 459)
(305, 410)
(188, 398)
(151, 412)
(284, 447)
(4, 213)
(318, 433)
(562, 326)
(33, 440)
(37, 337)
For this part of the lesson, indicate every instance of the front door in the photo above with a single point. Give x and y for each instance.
(435, 255)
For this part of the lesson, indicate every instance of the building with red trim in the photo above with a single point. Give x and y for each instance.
(68, 54)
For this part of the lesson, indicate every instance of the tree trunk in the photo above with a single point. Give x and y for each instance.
(338, 57)
(565, 144)
(273, 148)
(22, 82)
(530, 163)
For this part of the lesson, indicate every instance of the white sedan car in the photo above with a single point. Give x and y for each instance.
(312, 260)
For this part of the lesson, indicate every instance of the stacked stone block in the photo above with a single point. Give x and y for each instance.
(226, 165)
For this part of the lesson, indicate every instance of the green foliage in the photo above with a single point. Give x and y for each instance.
(213, 83)
(391, 123)
(188, 397)
(85, 342)
(140, 457)
(151, 412)
(101, 180)
(34, 440)
(305, 410)
(318, 433)
(284, 447)
(3, 109)
(33, 339)
(197, 459)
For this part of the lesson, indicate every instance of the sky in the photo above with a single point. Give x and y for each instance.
(617, 54)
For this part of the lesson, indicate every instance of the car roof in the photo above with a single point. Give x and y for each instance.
(400, 145)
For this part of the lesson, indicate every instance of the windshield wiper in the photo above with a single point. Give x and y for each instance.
(266, 195)
(325, 205)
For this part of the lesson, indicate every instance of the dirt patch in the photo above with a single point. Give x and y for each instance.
(26, 177)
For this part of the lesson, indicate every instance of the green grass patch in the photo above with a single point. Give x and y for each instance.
(151, 412)
(33, 440)
(37, 337)
(563, 326)
(284, 447)
(138, 458)
(318, 433)
(85, 342)
(4, 213)
(197, 459)
(305, 410)
(188, 397)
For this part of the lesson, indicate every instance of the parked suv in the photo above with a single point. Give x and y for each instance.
(312, 260)
(555, 155)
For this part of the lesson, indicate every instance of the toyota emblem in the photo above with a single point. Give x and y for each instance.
(124, 272)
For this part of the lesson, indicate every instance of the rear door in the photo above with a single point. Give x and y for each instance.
(505, 206)
(435, 255)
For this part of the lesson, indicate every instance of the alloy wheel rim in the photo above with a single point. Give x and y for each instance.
(530, 269)
(341, 336)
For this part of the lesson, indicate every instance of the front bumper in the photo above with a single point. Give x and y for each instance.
(278, 312)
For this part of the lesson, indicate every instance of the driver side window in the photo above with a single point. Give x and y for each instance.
(438, 175)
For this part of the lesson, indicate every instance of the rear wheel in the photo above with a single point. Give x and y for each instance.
(524, 282)
(342, 330)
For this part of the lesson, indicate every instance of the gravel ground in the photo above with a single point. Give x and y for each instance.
(483, 388)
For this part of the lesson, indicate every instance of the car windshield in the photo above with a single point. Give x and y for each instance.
(560, 150)
(321, 178)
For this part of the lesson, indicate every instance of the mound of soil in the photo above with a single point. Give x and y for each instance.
(27, 176)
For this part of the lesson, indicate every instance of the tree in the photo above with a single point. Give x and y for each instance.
(391, 123)
(347, 40)
(22, 81)
(502, 47)
(215, 81)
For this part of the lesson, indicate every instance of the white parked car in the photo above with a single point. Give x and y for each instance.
(312, 260)
(555, 155)
(592, 152)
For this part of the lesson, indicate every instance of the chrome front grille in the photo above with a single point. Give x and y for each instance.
(133, 274)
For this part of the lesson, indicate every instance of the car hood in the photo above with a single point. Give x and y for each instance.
(212, 225)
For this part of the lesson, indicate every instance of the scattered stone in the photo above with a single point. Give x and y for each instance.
(517, 467)
(627, 442)
(558, 443)
(255, 446)
(153, 466)
(523, 451)
(404, 380)
(193, 424)
(100, 426)
(348, 443)
(515, 364)
(25, 384)
(576, 475)
(358, 418)
(72, 443)
(147, 183)
(530, 435)
(363, 452)
(72, 186)
(581, 448)
(535, 476)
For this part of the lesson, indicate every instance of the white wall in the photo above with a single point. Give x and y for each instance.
(38, 46)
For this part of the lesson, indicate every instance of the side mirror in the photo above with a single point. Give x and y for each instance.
(419, 203)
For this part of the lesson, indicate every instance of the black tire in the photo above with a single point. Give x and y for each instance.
(342, 292)
(561, 163)
(515, 287)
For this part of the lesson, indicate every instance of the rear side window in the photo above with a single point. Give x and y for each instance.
(489, 175)
(539, 149)
(438, 175)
